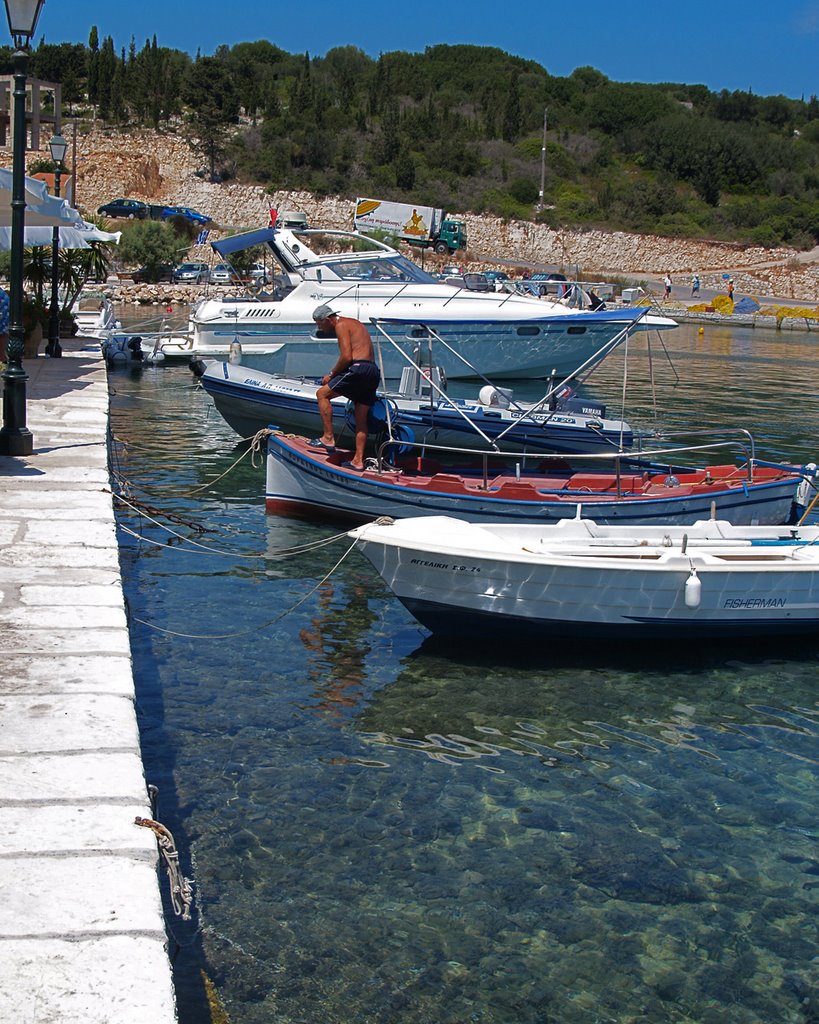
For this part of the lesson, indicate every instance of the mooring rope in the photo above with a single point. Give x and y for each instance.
(296, 549)
(181, 887)
(252, 629)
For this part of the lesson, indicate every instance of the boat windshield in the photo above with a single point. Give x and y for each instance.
(396, 269)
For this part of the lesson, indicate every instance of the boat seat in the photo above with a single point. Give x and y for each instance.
(514, 490)
(605, 482)
(446, 482)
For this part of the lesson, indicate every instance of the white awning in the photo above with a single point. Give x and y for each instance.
(70, 237)
(44, 212)
(42, 209)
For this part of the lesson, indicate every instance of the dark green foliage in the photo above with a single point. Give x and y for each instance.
(462, 127)
(150, 243)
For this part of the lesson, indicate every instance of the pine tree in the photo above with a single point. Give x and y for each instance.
(93, 66)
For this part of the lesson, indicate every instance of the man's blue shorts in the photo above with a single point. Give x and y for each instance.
(358, 382)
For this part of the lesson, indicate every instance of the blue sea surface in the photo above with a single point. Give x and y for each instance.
(384, 827)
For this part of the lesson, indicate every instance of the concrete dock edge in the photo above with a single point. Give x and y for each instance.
(82, 932)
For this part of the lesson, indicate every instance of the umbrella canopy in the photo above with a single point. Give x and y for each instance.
(77, 237)
(44, 212)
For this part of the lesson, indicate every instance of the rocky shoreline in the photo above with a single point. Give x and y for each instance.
(161, 167)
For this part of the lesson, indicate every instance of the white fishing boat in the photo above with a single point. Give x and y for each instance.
(580, 579)
(509, 336)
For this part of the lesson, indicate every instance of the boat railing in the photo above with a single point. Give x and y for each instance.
(555, 385)
(621, 461)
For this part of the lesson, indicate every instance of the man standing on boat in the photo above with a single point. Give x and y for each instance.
(354, 376)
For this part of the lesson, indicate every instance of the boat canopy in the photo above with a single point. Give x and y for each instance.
(245, 240)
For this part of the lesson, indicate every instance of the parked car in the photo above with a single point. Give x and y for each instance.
(194, 216)
(191, 273)
(452, 270)
(547, 277)
(149, 275)
(259, 274)
(132, 208)
(222, 273)
(495, 275)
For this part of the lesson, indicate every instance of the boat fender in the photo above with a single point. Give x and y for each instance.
(235, 352)
(197, 366)
(807, 486)
(693, 590)
(404, 437)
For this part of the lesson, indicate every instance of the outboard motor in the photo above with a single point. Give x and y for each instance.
(135, 347)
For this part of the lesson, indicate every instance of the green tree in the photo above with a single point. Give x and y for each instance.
(149, 243)
(209, 92)
(511, 111)
(93, 65)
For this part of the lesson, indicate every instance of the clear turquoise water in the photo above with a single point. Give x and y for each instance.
(385, 828)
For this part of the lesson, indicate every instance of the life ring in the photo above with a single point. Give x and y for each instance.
(255, 288)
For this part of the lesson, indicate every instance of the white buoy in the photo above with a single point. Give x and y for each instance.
(235, 352)
(693, 590)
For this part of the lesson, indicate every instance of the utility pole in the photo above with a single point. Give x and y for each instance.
(543, 162)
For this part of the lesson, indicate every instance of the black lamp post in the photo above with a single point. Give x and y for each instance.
(58, 147)
(15, 437)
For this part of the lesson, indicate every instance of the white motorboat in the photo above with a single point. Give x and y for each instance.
(509, 336)
(94, 316)
(580, 579)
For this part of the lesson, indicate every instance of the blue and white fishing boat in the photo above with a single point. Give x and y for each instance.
(249, 400)
(307, 481)
(509, 336)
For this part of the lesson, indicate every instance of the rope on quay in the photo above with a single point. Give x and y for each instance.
(181, 887)
(252, 629)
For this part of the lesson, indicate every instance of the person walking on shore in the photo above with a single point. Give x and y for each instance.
(354, 376)
(731, 288)
(667, 283)
(695, 285)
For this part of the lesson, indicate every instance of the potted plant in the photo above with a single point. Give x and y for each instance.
(35, 325)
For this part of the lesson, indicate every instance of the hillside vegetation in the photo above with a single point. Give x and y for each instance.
(462, 127)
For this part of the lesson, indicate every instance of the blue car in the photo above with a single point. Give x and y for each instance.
(194, 216)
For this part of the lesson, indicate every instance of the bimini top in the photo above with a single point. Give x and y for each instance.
(234, 243)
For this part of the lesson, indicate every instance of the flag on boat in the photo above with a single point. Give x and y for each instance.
(202, 237)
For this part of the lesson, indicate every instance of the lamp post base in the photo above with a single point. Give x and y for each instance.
(15, 437)
(19, 442)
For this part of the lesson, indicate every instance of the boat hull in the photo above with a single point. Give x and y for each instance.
(251, 400)
(464, 589)
(502, 349)
(302, 483)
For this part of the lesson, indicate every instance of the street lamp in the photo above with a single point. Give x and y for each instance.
(57, 147)
(15, 437)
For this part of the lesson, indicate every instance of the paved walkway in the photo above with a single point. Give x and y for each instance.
(82, 935)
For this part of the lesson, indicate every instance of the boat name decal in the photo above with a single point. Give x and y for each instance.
(543, 417)
(755, 602)
(445, 565)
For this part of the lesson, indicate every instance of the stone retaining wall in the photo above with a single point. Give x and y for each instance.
(161, 168)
